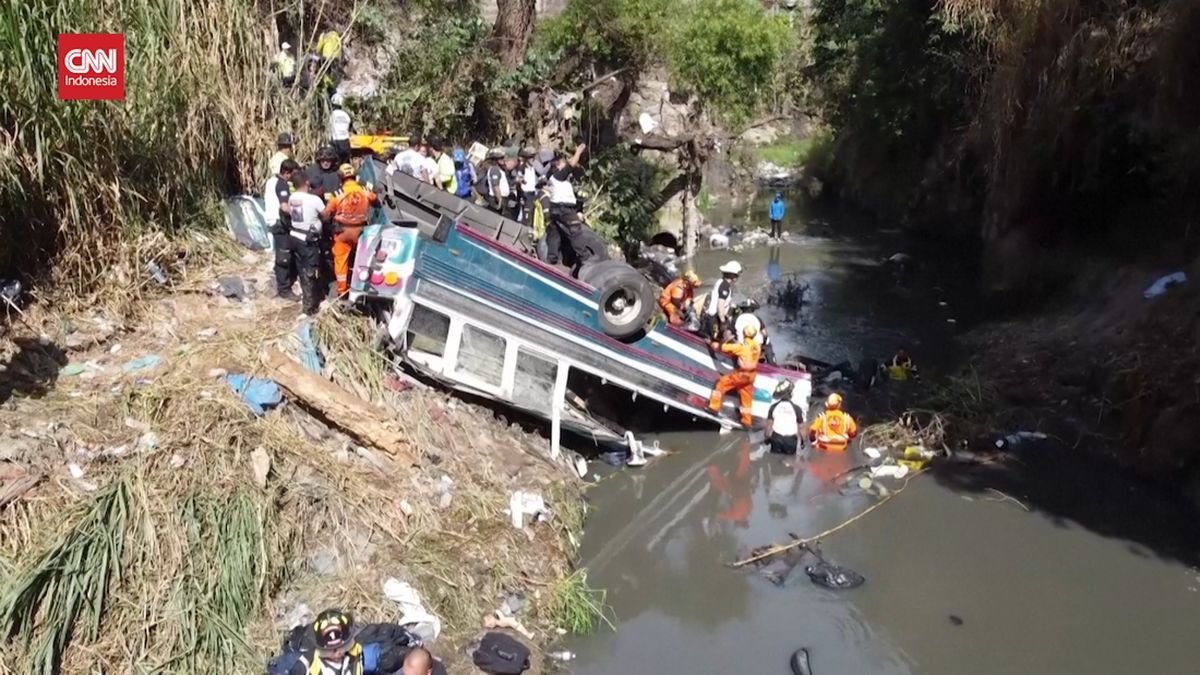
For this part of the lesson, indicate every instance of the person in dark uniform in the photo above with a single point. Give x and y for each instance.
(326, 182)
(279, 220)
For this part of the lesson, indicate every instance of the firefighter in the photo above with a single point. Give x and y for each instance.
(833, 429)
(676, 298)
(741, 379)
(348, 208)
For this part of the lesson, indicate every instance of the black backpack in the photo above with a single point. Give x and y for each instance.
(500, 654)
(384, 647)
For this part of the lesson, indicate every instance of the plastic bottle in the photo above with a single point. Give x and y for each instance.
(564, 655)
(156, 272)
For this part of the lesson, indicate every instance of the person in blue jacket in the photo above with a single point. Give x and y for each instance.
(777, 216)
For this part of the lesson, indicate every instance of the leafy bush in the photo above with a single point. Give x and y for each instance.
(624, 190)
(727, 52)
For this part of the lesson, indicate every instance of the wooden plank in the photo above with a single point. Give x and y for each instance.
(361, 420)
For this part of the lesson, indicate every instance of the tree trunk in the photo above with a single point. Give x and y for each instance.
(690, 233)
(512, 30)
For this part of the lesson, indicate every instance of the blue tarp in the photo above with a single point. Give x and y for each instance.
(308, 348)
(258, 393)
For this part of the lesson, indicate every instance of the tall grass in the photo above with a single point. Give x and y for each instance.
(80, 180)
(66, 589)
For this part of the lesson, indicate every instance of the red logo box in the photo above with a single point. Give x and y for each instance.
(91, 67)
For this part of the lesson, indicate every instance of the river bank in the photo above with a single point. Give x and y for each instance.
(1103, 369)
(138, 489)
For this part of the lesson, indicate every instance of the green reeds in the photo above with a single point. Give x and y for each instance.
(66, 589)
(577, 607)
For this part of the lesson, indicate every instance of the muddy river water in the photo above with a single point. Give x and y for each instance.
(1056, 566)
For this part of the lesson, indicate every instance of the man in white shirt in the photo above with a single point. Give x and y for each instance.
(306, 207)
(720, 300)
(277, 213)
(339, 128)
(787, 415)
(528, 185)
(495, 187)
(747, 317)
(410, 160)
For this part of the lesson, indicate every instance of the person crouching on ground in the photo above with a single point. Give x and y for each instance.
(306, 210)
(785, 417)
(337, 653)
(833, 429)
(902, 367)
(349, 208)
(676, 299)
(741, 379)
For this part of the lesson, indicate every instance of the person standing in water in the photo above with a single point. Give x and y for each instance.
(776, 214)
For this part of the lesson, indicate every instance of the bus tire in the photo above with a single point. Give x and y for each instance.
(625, 304)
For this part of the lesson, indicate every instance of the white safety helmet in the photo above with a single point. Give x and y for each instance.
(732, 267)
(285, 46)
(337, 98)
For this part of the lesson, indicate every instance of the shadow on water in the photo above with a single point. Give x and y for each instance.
(1074, 490)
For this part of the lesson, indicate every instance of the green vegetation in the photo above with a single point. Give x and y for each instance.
(792, 152)
(624, 190)
(576, 607)
(84, 180)
(1051, 117)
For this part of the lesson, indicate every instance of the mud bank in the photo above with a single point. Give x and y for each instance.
(1111, 373)
(150, 518)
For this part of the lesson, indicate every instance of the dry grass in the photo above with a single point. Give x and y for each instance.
(179, 542)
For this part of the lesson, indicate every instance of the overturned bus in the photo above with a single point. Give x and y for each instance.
(467, 303)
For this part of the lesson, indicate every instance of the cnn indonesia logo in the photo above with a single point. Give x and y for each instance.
(91, 67)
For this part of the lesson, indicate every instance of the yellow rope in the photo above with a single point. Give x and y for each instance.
(797, 543)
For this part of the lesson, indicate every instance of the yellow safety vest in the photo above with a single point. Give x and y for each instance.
(539, 220)
(355, 654)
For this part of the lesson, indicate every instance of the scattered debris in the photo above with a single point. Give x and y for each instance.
(308, 348)
(498, 620)
(142, 363)
(232, 287)
(1163, 283)
(260, 463)
(445, 491)
(259, 394)
(72, 369)
(523, 504)
(156, 273)
(413, 614)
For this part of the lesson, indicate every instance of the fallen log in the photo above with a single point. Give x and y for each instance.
(361, 420)
(14, 489)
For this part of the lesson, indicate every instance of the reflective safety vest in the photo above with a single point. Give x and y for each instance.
(747, 354)
(833, 430)
(353, 663)
(329, 45)
(539, 220)
(351, 205)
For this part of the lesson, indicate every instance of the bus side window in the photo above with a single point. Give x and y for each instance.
(533, 386)
(428, 331)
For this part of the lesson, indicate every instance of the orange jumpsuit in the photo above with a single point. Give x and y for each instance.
(349, 209)
(673, 298)
(741, 380)
(832, 430)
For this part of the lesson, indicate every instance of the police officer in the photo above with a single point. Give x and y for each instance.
(279, 221)
(564, 207)
(306, 232)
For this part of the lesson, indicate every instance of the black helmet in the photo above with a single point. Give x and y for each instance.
(332, 629)
(326, 152)
(285, 140)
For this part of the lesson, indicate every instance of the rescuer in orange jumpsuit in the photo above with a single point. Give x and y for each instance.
(348, 208)
(677, 297)
(741, 379)
(833, 429)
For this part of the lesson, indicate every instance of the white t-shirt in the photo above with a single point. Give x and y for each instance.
(528, 179)
(306, 211)
(339, 125)
(429, 168)
(786, 418)
(276, 162)
(561, 190)
(408, 161)
(744, 320)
